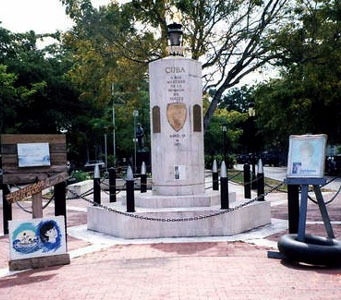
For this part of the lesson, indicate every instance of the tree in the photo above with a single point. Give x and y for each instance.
(306, 99)
(229, 37)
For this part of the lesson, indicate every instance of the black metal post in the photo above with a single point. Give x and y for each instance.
(6, 208)
(143, 181)
(215, 176)
(60, 201)
(97, 185)
(224, 193)
(260, 181)
(112, 185)
(253, 173)
(247, 183)
(130, 191)
(293, 208)
(224, 134)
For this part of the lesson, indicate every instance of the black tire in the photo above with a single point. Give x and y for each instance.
(314, 250)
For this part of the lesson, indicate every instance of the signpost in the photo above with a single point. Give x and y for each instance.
(35, 188)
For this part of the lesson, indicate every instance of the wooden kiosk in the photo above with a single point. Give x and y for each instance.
(33, 163)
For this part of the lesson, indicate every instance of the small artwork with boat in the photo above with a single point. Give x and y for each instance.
(37, 237)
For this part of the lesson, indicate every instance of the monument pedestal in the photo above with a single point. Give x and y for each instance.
(150, 200)
(233, 222)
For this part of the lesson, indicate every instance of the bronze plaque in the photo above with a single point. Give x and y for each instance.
(176, 115)
(197, 118)
(156, 119)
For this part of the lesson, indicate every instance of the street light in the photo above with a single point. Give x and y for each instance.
(252, 115)
(135, 115)
(224, 129)
(174, 34)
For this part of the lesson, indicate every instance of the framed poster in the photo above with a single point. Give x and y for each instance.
(306, 156)
(37, 237)
(33, 154)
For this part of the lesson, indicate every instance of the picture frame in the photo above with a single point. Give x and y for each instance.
(306, 157)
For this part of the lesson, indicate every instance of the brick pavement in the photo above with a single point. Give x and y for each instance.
(175, 271)
(215, 270)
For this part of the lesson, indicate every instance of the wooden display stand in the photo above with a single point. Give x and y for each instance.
(50, 171)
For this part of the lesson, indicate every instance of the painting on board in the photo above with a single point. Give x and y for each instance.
(37, 238)
(306, 156)
(33, 154)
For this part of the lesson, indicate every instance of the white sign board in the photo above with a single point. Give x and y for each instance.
(37, 238)
(33, 155)
(306, 156)
(180, 172)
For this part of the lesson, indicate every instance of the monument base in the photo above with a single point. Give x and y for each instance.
(39, 262)
(233, 222)
(150, 200)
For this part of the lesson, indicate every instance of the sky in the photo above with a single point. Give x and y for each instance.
(42, 16)
(48, 16)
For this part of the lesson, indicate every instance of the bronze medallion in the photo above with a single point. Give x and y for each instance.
(176, 115)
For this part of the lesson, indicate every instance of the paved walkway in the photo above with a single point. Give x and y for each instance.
(233, 267)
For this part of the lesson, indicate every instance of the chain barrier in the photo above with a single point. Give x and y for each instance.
(279, 190)
(196, 218)
(329, 201)
(23, 208)
(48, 202)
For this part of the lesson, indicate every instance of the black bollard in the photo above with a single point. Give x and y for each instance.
(253, 173)
(293, 208)
(97, 185)
(60, 200)
(260, 181)
(112, 185)
(215, 176)
(130, 190)
(247, 183)
(143, 178)
(6, 208)
(224, 193)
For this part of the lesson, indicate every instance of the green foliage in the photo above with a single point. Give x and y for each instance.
(80, 176)
(306, 99)
(214, 142)
(231, 160)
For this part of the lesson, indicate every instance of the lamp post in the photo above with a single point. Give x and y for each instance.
(113, 125)
(252, 114)
(224, 129)
(135, 115)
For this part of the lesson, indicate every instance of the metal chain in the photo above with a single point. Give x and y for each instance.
(48, 202)
(270, 186)
(23, 208)
(196, 218)
(329, 201)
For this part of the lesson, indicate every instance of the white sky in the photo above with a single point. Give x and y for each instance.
(42, 16)
(48, 16)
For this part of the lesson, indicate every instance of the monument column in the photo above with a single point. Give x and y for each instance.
(176, 126)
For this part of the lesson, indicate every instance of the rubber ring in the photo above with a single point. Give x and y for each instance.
(314, 250)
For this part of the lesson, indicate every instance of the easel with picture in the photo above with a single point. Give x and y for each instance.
(306, 168)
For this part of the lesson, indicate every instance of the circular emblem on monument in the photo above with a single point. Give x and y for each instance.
(176, 115)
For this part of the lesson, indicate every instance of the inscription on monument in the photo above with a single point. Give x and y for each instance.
(175, 82)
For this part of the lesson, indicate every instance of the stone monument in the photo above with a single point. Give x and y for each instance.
(178, 174)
